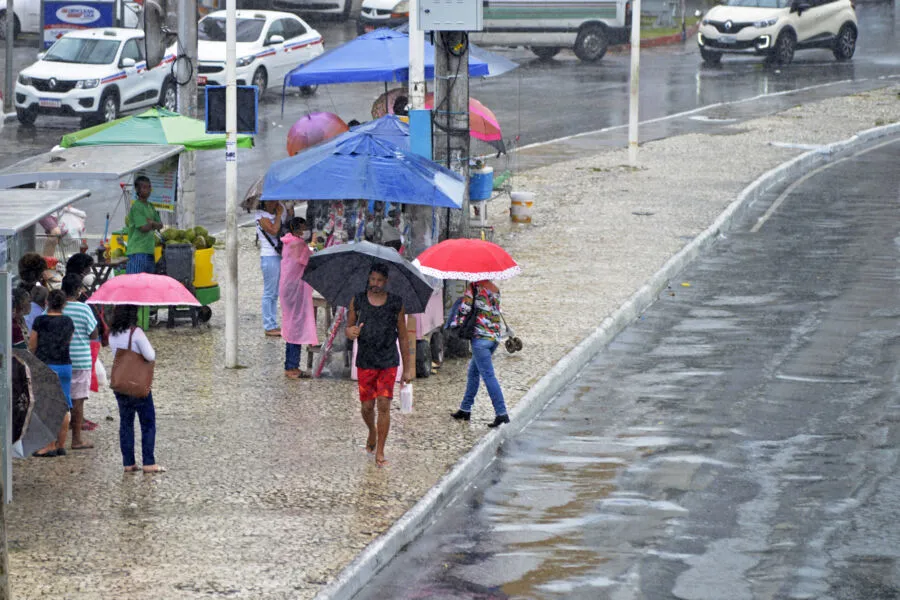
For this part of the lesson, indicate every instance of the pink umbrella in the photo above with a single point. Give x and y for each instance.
(143, 289)
(483, 124)
(313, 129)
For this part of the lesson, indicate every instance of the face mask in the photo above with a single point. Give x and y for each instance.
(307, 235)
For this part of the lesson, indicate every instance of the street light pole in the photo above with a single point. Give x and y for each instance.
(8, 89)
(635, 84)
(231, 231)
(187, 106)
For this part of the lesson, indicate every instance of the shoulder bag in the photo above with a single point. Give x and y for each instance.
(131, 374)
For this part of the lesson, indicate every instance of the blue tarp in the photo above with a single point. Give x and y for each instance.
(362, 165)
(381, 55)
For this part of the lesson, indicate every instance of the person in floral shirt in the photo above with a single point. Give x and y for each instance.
(484, 298)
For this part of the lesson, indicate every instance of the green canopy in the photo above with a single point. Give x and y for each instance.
(155, 126)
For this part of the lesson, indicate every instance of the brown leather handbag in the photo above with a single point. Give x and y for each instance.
(132, 374)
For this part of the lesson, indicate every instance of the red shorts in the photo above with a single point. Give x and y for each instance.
(376, 383)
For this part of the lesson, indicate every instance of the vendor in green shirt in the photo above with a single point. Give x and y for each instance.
(141, 222)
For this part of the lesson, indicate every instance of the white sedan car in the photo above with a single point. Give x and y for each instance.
(96, 74)
(269, 45)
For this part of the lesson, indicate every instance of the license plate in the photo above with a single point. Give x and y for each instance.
(369, 28)
(201, 79)
(727, 39)
(49, 103)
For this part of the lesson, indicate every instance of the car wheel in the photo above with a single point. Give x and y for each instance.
(545, 52)
(783, 52)
(345, 14)
(308, 90)
(27, 116)
(710, 57)
(109, 107)
(591, 43)
(260, 80)
(845, 44)
(168, 96)
(17, 27)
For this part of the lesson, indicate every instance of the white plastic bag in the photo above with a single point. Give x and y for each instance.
(100, 371)
(406, 398)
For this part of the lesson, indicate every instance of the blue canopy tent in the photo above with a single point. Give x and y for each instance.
(388, 127)
(362, 165)
(381, 55)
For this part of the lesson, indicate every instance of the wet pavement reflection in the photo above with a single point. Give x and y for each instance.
(739, 440)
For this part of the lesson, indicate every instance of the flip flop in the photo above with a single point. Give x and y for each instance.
(50, 454)
(88, 425)
(132, 469)
(86, 446)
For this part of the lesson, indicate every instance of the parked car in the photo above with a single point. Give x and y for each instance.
(96, 74)
(28, 16)
(588, 27)
(269, 44)
(777, 28)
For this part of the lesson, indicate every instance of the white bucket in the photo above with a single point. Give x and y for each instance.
(521, 204)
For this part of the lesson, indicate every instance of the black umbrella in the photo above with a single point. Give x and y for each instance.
(341, 272)
(39, 404)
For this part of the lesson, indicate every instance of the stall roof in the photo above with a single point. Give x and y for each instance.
(21, 208)
(87, 162)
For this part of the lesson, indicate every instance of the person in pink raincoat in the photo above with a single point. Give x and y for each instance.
(298, 321)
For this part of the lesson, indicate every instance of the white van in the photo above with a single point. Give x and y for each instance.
(588, 27)
(544, 26)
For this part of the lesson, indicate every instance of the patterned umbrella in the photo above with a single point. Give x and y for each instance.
(313, 129)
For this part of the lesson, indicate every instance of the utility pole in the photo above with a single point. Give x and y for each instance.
(635, 84)
(187, 106)
(231, 231)
(6, 425)
(8, 88)
(451, 114)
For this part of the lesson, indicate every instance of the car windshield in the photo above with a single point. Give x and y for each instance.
(759, 3)
(86, 51)
(213, 29)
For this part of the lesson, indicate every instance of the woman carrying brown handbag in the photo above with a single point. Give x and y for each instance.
(126, 335)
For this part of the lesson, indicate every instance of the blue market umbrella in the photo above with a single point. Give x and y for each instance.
(388, 127)
(362, 166)
(341, 272)
(381, 55)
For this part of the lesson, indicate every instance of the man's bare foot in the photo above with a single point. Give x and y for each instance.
(155, 469)
(370, 443)
(132, 469)
(380, 460)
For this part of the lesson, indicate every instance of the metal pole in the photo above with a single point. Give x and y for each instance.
(635, 84)
(231, 231)
(451, 114)
(6, 415)
(187, 106)
(416, 59)
(8, 87)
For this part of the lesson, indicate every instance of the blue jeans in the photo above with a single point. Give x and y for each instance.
(140, 263)
(481, 367)
(143, 407)
(271, 271)
(291, 356)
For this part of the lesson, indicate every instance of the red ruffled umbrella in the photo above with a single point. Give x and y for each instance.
(313, 129)
(467, 260)
(143, 289)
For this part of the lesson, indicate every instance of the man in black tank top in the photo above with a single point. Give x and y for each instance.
(377, 321)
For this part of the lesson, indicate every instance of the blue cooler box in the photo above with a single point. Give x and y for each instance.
(481, 184)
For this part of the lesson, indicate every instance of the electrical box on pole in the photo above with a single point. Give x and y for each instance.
(451, 15)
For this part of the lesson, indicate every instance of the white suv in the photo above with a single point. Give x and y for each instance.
(95, 74)
(776, 28)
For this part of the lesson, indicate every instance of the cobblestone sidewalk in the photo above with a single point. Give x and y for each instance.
(269, 492)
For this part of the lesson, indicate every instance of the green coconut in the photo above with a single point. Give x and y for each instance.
(201, 231)
(200, 243)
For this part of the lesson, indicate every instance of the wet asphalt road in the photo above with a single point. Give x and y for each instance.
(739, 441)
(537, 102)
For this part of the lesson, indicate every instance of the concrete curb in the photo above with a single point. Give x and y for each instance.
(665, 40)
(377, 554)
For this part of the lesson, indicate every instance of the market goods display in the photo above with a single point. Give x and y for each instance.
(197, 236)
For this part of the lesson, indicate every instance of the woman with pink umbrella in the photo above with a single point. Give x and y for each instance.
(127, 293)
